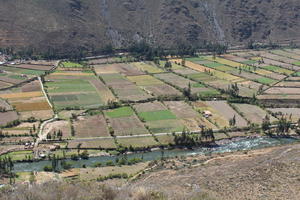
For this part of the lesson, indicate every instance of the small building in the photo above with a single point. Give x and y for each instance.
(207, 114)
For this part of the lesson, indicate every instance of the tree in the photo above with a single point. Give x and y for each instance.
(168, 66)
(78, 148)
(232, 122)
(266, 123)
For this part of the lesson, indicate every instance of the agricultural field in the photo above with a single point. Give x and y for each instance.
(90, 126)
(123, 88)
(125, 69)
(29, 101)
(108, 104)
(219, 113)
(289, 113)
(158, 118)
(183, 83)
(148, 67)
(77, 90)
(124, 122)
(154, 86)
(253, 114)
(192, 120)
(55, 127)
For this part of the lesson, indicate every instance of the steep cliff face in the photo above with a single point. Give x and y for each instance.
(67, 24)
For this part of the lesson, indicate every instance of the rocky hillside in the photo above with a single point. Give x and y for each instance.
(67, 24)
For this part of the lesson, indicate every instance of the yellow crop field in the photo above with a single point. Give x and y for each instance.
(198, 67)
(224, 61)
(144, 80)
(21, 95)
(216, 73)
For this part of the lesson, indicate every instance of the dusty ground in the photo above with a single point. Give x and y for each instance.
(272, 173)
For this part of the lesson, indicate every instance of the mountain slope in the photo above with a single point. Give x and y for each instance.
(67, 24)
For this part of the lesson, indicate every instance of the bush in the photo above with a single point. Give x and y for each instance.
(48, 168)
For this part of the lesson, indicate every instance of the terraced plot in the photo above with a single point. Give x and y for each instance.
(69, 90)
(219, 113)
(137, 142)
(289, 113)
(147, 67)
(153, 85)
(90, 126)
(123, 88)
(106, 143)
(122, 68)
(158, 118)
(29, 101)
(124, 122)
(253, 113)
(190, 118)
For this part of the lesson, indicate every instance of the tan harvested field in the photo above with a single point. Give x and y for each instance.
(190, 118)
(40, 114)
(89, 174)
(56, 126)
(283, 90)
(6, 117)
(227, 112)
(93, 143)
(295, 84)
(5, 105)
(277, 57)
(105, 94)
(22, 129)
(293, 113)
(280, 64)
(91, 126)
(165, 139)
(34, 67)
(216, 118)
(128, 126)
(278, 97)
(10, 80)
(138, 142)
(16, 140)
(150, 106)
(42, 62)
(253, 113)
(122, 68)
(33, 86)
(5, 85)
(162, 90)
(23, 107)
(100, 61)
(66, 114)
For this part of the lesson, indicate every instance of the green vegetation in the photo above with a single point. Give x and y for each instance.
(73, 85)
(120, 112)
(71, 64)
(265, 80)
(157, 115)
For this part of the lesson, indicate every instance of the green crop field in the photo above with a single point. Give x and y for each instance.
(213, 65)
(70, 85)
(297, 63)
(266, 81)
(120, 112)
(157, 115)
(249, 62)
(71, 64)
(278, 69)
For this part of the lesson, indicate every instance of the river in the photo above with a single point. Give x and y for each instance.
(229, 146)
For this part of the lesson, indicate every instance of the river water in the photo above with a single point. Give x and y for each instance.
(230, 146)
